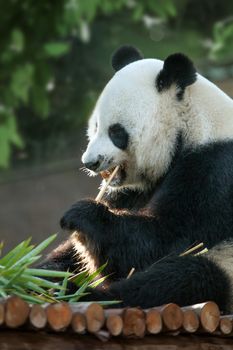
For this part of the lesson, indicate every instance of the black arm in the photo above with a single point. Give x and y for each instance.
(61, 259)
(125, 241)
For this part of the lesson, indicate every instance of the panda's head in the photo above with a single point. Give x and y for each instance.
(139, 117)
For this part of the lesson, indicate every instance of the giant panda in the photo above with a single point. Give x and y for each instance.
(170, 130)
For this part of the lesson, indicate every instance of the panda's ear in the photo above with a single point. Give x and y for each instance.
(124, 55)
(177, 69)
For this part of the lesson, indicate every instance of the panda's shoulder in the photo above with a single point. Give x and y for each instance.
(201, 162)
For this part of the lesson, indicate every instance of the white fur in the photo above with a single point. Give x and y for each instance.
(222, 256)
(154, 119)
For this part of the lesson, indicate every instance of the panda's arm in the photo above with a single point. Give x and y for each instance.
(62, 258)
(125, 241)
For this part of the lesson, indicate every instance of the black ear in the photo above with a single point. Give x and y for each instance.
(177, 69)
(124, 55)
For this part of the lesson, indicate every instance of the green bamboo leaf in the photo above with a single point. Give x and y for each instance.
(39, 281)
(80, 291)
(35, 288)
(64, 287)
(19, 248)
(36, 250)
(48, 273)
(79, 277)
(29, 298)
(98, 281)
(109, 302)
(14, 277)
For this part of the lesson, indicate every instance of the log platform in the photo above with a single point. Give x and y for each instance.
(74, 326)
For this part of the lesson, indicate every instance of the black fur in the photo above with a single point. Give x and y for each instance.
(177, 69)
(119, 136)
(192, 204)
(125, 55)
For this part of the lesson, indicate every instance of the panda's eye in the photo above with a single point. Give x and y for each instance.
(119, 136)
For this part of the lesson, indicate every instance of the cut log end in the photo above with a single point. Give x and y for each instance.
(191, 321)
(210, 316)
(78, 323)
(153, 321)
(225, 325)
(172, 317)
(59, 316)
(16, 312)
(134, 323)
(38, 317)
(114, 324)
(95, 317)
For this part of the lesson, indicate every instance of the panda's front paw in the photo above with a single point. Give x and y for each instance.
(85, 216)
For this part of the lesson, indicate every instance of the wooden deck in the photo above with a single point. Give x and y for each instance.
(24, 340)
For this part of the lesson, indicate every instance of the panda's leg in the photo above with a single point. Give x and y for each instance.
(182, 280)
(63, 258)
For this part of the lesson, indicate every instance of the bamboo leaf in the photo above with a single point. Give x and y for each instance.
(36, 250)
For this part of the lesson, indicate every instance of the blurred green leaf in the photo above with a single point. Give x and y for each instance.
(8, 136)
(21, 81)
(4, 148)
(40, 101)
(17, 40)
(221, 49)
(56, 49)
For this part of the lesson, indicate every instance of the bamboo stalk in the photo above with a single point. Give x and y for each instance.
(191, 321)
(203, 251)
(191, 250)
(37, 316)
(16, 312)
(134, 323)
(59, 316)
(153, 321)
(130, 273)
(208, 313)
(103, 189)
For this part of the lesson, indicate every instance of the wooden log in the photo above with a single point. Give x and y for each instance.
(172, 316)
(2, 313)
(134, 323)
(191, 321)
(114, 321)
(16, 312)
(94, 315)
(153, 321)
(59, 316)
(78, 323)
(38, 316)
(225, 324)
(208, 313)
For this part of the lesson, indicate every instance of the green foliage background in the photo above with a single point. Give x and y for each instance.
(54, 59)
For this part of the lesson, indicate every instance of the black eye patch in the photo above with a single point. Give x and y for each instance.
(119, 136)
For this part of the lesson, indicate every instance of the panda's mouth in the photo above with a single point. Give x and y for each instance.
(119, 177)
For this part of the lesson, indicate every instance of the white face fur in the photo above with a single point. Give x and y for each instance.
(149, 122)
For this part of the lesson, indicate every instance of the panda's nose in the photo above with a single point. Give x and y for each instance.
(94, 165)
